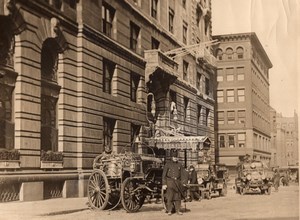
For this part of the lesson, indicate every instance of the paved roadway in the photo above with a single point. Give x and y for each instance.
(282, 205)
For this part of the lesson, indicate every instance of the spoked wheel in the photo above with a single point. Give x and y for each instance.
(132, 199)
(98, 194)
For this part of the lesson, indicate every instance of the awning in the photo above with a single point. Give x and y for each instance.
(182, 142)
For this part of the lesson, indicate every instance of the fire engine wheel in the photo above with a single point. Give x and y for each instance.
(98, 190)
(132, 200)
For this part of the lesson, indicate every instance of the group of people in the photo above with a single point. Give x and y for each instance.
(175, 179)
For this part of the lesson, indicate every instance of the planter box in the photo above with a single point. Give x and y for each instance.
(9, 164)
(51, 164)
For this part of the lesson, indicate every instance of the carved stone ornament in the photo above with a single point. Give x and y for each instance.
(11, 24)
(9, 7)
(55, 27)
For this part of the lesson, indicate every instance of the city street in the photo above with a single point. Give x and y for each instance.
(279, 205)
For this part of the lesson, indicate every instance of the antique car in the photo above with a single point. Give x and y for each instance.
(253, 177)
(204, 175)
(128, 178)
(219, 179)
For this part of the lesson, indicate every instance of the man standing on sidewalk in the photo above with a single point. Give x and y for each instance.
(172, 177)
(276, 180)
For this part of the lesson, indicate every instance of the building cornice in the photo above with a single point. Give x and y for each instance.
(252, 37)
(39, 8)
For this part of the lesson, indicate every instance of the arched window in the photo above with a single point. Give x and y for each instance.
(219, 54)
(49, 67)
(229, 53)
(240, 53)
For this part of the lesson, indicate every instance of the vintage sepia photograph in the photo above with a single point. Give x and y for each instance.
(149, 109)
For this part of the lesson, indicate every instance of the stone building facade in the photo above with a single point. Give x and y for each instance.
(78, 76)
(243, 123)
(286, 141)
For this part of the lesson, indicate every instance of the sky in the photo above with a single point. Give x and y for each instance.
(277, 26)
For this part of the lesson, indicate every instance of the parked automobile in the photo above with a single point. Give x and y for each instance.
(219, 179)
(253, 177)
(205, 180)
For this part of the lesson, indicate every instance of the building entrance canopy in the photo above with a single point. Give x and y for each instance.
(194, 143)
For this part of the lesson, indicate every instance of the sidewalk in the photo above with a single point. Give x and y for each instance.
(37, 209)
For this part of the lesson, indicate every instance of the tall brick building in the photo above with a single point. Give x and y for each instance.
(76, 76)
(243, 103)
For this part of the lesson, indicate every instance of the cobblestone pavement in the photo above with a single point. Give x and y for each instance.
(283, 205)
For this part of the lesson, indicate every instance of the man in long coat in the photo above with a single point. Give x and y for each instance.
(193, 179)
(171, 179)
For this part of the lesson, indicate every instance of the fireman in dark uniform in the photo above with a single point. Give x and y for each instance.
(193, 179)
(171, 178)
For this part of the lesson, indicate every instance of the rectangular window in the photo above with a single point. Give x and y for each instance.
(221, 141)
(184, 33)
(57, 4)
(107, 19)
(230, 95)
(241, 95)
(242, 116)
(108, 128)
(134, 84)
(72, 4)
(220, 96)
(220, 118)
(198, 81)
(229, 74)
(185, 106)
(135, 130)
(231, 138)
(207, 87)
(220, 78)
(241, 139)
(173, 96)
(185, 70)
(229, 77)
(207, 114)
(240, 73)
(154, 43)
(154, 9)
(134, 35)
(108, 72)
(199, 114)
(230, 117)
(171, 20)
